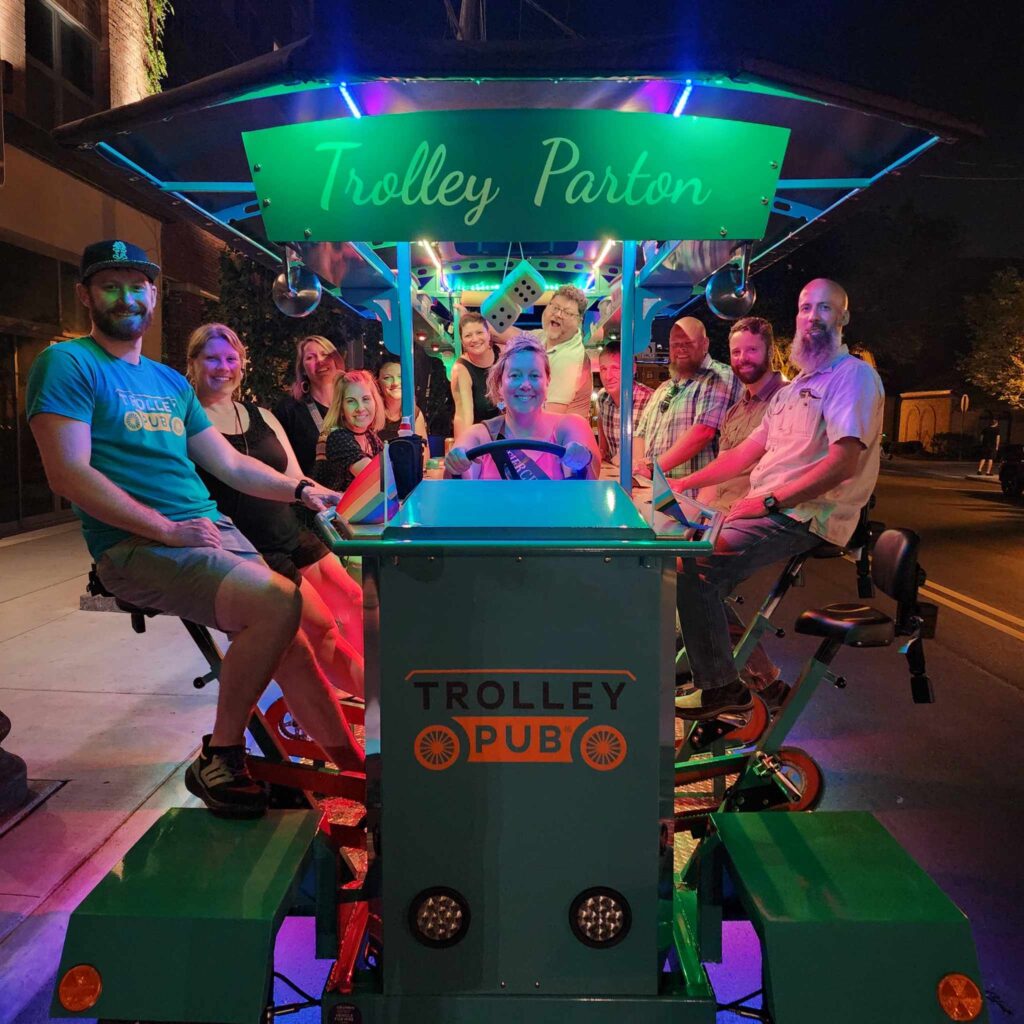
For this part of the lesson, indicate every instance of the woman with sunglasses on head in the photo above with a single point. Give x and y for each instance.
(318, 364)
(331, 599)
(350, 437)
(518, 382)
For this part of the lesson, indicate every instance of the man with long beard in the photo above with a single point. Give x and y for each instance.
(813, 464)
(118, 434)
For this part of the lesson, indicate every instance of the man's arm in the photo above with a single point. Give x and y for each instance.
(66, 448)
(695, 440)
(839, 464)
(729, 463)
(210, 449)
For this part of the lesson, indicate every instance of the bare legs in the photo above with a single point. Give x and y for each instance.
(262, 611)
(341, 594)
(342, 664)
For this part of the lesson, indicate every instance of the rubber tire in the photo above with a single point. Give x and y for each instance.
(813, 781)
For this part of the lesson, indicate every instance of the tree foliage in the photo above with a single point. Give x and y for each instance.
(246, 307)
(996, 319)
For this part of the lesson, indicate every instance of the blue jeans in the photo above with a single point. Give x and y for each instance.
(744, 546)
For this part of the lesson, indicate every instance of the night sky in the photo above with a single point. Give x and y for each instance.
(959, 59)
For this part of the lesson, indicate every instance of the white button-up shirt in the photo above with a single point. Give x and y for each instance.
(843, 399)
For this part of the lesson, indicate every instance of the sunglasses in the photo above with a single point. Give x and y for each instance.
(667, 400)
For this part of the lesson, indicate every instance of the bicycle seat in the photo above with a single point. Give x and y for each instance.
(853, 625)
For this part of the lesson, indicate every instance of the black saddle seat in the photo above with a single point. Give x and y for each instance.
(853, 625)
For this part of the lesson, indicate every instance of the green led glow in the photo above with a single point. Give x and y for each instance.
(560, 174)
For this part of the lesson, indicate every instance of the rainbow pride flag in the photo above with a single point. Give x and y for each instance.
(372, 497)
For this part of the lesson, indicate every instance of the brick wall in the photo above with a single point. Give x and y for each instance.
(12, 50)
(191, 265)
(86, 12)
(124, 49)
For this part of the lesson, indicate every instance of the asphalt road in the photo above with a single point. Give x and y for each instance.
(944, 778)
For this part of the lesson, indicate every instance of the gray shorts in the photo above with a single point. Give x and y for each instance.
(175, 581)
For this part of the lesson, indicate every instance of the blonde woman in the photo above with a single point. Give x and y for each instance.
(318, 364)
(518, 381)
(330, 597)
(350, 436)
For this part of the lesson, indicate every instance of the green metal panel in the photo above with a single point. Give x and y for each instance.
(581, 510)
(183, 928)
(853, 930)
(527, 655)
(671, 1005)
(475, 175)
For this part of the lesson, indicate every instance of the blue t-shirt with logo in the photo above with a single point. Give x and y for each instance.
(141, 414)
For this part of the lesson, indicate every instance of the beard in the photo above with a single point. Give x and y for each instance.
(811, 345)
(751, 374)
(115, 325)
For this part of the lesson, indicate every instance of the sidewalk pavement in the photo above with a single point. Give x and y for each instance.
(108, 715)
(937, 469)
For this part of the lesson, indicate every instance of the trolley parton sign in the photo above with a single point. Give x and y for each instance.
(529, 175)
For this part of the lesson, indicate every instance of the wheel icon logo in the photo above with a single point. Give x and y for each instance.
(603, 748)
(436, 748)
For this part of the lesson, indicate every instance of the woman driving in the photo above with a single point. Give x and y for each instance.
(518, 383)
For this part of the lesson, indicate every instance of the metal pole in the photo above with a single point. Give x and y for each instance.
(628, 347)
(403, 274)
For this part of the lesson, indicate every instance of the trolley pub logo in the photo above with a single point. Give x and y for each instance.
(531, 175)
(514, 716)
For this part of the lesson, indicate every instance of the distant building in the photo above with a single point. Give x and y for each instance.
(925, 416)
(61, 60)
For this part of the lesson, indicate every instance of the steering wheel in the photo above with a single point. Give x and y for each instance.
(498, 450)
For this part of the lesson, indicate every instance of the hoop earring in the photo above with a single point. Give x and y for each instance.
(305, 387)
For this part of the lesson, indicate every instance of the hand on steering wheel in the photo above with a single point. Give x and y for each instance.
(498, 450)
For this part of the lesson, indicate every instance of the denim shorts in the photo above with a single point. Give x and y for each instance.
(176, 581)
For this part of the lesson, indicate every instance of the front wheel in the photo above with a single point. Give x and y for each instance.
(805, 778)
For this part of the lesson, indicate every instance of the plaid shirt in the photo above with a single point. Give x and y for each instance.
(678, 404)
(608, 414)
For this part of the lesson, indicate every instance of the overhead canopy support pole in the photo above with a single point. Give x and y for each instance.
(628, 350)
(405, 339)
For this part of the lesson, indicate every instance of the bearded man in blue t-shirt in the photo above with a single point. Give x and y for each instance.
(118, 434)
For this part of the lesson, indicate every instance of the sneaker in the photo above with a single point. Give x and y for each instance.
(701, 705)
(220, 778)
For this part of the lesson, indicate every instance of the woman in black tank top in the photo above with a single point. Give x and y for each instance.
(469, 374)
(330, 597)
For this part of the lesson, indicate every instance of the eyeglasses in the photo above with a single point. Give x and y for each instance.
(564, 310)
(667, 400)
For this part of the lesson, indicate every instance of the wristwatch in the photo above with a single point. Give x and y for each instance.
(301, 486)
(771, 503)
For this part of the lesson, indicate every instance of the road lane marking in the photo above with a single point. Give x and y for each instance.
(932, 595)
(956, 595)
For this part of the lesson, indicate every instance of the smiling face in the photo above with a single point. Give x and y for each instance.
(120, 302)
(821, 315)
(358, 408)
(476, 339)
(687, 346)
(749, 356)
(609, 368)
(217, 370)
(524, 383)
(320, 366)
(390, 378)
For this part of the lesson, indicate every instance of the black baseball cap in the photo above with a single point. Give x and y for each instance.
(114, 254)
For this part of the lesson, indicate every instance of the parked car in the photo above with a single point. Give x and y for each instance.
(1011, 470)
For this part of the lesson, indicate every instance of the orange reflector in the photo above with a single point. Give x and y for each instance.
(959, 997)
(80, 988)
